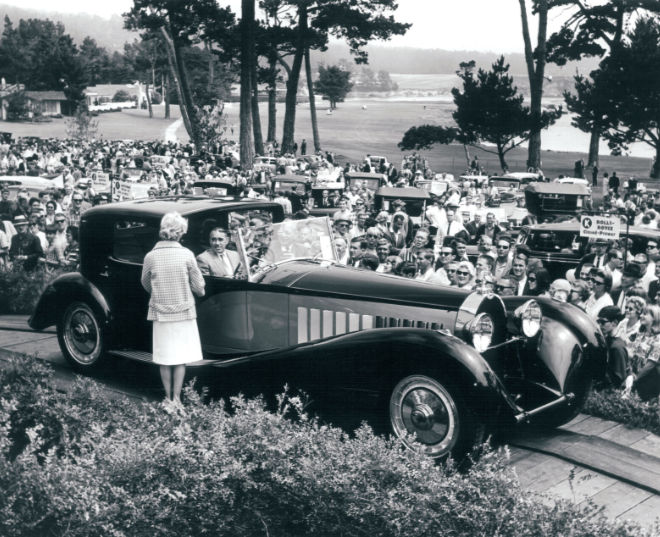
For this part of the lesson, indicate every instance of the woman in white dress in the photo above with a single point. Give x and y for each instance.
(170, 275)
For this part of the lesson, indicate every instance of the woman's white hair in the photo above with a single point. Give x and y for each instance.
(469, 267)
(173, 226)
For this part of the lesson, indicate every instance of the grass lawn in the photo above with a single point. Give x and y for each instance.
(350, 132)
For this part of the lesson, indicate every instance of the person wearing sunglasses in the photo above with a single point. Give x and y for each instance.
(503, 259)
(629, 327)
(601, 282)
(465, 275)
(538, 282)
(505, 287)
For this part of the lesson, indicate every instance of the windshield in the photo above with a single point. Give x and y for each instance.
(269, 244)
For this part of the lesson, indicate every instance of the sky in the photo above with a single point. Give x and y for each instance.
(483, 25)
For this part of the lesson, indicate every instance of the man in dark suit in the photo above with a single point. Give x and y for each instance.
(217, 260)
(490, 228)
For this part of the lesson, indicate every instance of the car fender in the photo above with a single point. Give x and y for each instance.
(384, 355)
(61, 292)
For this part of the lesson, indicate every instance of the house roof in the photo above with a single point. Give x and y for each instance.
(46, 95)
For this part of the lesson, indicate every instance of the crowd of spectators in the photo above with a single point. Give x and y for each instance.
(40, 230)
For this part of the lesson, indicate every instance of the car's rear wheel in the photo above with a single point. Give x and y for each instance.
(81, 337)
(431, 417)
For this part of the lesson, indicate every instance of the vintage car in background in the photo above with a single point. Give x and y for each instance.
(433, 186)
(440, 366)
(370, 181)
(561, 248)
(334, 189)
(377, 161)
(573, 181)
(414, 198)
(214, 188)
(265, 164)
(281, 184)
(508, 186)
(33, 185)
(552, 201)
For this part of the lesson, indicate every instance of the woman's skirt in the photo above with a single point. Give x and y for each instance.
(176, 342)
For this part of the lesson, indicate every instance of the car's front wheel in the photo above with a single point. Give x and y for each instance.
(81, 337)
(430, 417)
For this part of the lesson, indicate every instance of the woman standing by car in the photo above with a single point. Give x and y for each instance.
(170, 275)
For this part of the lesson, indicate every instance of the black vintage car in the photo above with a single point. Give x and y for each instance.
(552, 201)
(560, 246)
(442, 367)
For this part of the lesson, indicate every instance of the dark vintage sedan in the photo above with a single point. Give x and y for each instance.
(441, 367)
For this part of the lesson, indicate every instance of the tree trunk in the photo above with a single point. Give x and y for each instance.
(171, 60)
(211, 67)
(467, 155)
(500, 155)
(594, 141)
(272, 98)
(535, 74)
(655, 169)
(256, 117)
(190, 103)
(151, 110)
(166, 96)
(247, 55)
(292, 84)
(312, 102)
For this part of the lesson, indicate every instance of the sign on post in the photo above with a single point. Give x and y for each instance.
(600, 227)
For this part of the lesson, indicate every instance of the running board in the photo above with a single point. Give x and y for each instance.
(147, 357)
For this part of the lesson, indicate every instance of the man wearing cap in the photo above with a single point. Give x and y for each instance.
(342, 227)
(631, 277)
(25, 247)
(7, 207)
(559, 290)
(617, 366)
(642, 260)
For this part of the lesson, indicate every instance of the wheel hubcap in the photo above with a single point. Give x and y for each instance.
(82, 336)
(421, 407)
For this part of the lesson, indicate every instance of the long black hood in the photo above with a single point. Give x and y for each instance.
(326, 278)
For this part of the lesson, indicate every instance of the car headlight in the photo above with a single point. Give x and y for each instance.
(530, 318)
(481, 331)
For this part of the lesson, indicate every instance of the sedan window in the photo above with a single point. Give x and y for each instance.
(133, 239)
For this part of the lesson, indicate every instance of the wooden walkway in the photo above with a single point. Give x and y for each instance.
(606, 463)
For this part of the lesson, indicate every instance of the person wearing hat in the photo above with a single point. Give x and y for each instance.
(341, 226)
(25, 247)
(630, 278)
(617, 367)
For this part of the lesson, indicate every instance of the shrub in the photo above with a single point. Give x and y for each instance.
(20, 290)
(84, 465)
(121, 96)
(608, 404)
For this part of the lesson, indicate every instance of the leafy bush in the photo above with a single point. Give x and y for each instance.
(121, 96)
(81, 464)
(633, 412)
(20, 290)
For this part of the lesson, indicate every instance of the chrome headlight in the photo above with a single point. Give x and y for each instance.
(530, 317)
(481, 331)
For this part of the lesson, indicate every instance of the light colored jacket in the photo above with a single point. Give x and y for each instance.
(170, 275)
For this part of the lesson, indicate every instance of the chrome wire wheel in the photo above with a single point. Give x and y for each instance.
(422, 407)
(80, 335)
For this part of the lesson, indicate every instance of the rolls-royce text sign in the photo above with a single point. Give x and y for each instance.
(600, 227)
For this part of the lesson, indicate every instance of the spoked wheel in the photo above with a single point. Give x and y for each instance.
(423, 407)
(80, 336)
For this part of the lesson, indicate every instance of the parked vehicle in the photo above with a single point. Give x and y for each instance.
(560, 246)
(549, 201)
(414, 198)
(214, 188)
(370, 181)
(333, 190)
(265, 164)
(33, 185)
(290, 183)
(443, 367)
